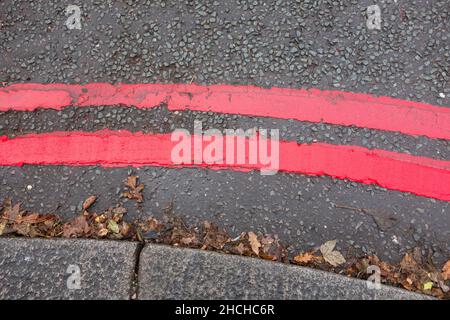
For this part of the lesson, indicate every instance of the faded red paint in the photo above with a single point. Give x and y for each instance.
(333, 107)
(418, 175)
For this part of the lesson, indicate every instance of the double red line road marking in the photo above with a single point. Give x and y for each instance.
(419, 175)
(333, 107)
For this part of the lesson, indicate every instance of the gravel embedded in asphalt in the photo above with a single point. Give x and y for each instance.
(267, 43)
(322, 44)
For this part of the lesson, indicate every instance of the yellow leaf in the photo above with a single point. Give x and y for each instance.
(113, 227)
(428, 285)
(100, 219)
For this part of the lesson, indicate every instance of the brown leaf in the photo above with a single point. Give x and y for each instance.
(14, 220)
(131, 182)
(3, 227)
(271, 249)
(125, 228)
(254, 243)
(266, 242)
(267, 256)
(78, 227)
(134, 190)
(10, 212)
(23, 229)
(152, 224)
(6, 207)
(51, 220)
(119, 210)
(14, 213)
(446, 271)
(187, 240)
(304, 258)
(213, 236)
(408, 263)
(33, 218)
(240, 248)
(89, 202)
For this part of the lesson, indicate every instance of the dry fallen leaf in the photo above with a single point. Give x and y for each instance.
(77, 227)
(333, 257)
(271, 248)
(14, 213)
(134, 190)
(33, 218)
(187, 240)
(113, 226)
(102, 232)
(304, 258)
(89, 202)
(446, 271)
(428, 285)
(2, 226)
(408, 263)
(254, 243)
(125, 229)
(152, 224)
(131, 182)
(101, 218)
(240, 248)
(213, 237)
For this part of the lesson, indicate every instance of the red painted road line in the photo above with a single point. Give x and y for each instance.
(334, 107)
(421, 176)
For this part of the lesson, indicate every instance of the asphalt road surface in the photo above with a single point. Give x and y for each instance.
(289, 44)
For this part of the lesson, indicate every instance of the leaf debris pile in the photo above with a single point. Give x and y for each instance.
(414, 272)
(108, 224)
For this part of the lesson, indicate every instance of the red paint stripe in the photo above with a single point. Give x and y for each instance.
(334, 107)
(418, 175)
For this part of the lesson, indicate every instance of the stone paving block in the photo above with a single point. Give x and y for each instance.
(176, 273)
(39, 268)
